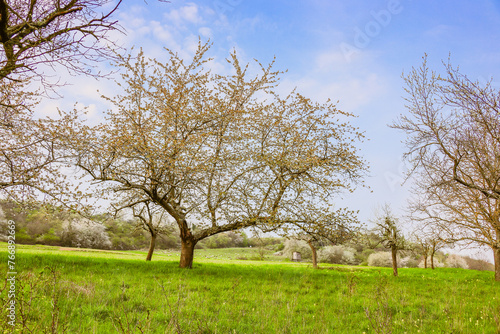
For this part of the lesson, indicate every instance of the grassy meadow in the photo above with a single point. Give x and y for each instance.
(82, 291)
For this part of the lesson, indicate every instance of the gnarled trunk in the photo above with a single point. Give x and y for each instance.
(314, 255)
(187, 253)
(394, 252)
(432, 256)
(152, 245)
(496, 254)
(188, 241)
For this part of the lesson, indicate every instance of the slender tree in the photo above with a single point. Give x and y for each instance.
(152, 219)
(423, 247)
(429, 241)
(391, 236)
(219, 152)
(453, 128)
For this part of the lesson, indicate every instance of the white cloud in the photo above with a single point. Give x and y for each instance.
(352, 93)
(205, 32)
(163, 34)
(329, 60)
(439, 31)
(355, 83)
(186, 14)
(48, 108)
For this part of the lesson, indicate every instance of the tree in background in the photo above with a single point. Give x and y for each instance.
(35, 35)
(422, 246)
(453, 129)
(390, 234)
(428, 241)
(319, 229)
(31, 155)
(151, 218)
(213, 152)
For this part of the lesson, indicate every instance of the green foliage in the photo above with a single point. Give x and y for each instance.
(50, 238)
(225, 240)
(22, 237)
(124, 235)
(36, 224)
(279, 247)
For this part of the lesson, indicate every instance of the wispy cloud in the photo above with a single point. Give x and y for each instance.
(188, 14)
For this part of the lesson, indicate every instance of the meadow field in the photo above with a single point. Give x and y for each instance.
(62, 290)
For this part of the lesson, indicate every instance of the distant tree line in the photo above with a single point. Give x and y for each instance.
(52, 226)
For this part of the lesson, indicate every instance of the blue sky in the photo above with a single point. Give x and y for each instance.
(309, 38)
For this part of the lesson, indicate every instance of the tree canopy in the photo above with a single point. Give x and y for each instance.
(453, 128)
(72, 33)
(220, 152)
(35, 35)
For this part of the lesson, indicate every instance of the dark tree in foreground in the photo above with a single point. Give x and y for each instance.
(71, 33)
(215, 155)
(453, 141)
(36, 35)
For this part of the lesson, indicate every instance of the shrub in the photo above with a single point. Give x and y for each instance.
(293, 245)
(349, 256)
(23, 237)
(475, 264)
(279, 247)
(380, 259)
(224, 240)
(337, 255)
(50, 238)
(456, 261)
(384, 259)
(125, 235)
(408, 262)
(169, 241)
(331, 254)
(363, 256)
(85, 233)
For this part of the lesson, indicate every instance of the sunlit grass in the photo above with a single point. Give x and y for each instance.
(119, 292)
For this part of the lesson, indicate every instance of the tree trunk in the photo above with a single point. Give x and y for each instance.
(497, 263)
(152, 245)
(394, 252)
(425, 261)
(432, 257)
(314, 255)
(187, 253)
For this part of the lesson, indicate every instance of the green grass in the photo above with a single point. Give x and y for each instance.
(119, 292)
